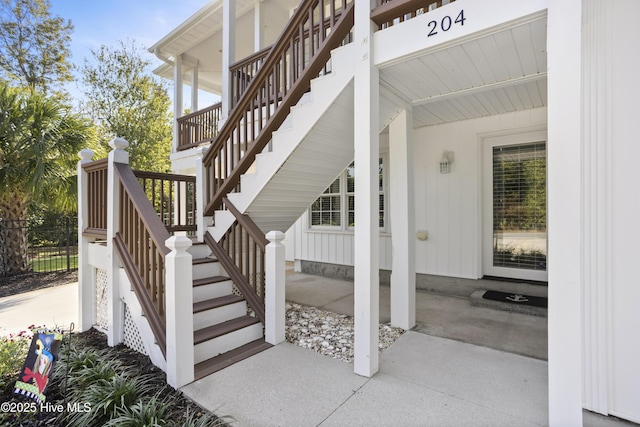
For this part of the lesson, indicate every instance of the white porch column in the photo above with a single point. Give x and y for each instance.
(401, 202)
(367, 231)
(598, 33)
(178, 88)
(258, 33)
(194, 89)
(564, 59)
(115, 306)
(274, 288)
(228, 52)
(86, 275)
(179, 314)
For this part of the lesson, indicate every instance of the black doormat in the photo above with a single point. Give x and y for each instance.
(516, 298)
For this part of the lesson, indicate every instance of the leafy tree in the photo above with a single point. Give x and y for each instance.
(34, 46)
(126, 101)
(39, 142)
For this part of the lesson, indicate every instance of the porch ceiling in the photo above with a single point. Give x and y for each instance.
(199, 38)
(495, 73)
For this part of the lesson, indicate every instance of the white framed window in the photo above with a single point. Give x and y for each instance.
(515, 224)
(325, 211)
(335, 208)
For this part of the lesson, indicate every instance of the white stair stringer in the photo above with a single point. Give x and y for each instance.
(131, 300)
(308, 154)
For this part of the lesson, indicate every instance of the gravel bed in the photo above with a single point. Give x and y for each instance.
(329, 333)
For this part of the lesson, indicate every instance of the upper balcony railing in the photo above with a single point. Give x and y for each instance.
(391, 12)
(243, 71)
(300, 54)
(201, 127)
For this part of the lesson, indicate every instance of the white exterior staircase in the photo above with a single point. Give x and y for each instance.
(222, 329)
(311, 148)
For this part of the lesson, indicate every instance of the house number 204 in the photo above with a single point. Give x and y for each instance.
(445, 23)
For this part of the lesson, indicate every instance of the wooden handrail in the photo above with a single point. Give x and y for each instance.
(247, 223)
(199, 126)
(173, 197)
(97, 199)
(157, 231)
(140, 243)
(254, 57)
(156, 322)
(254, 299)
(389, 10)
(280, 82)
(243, 71)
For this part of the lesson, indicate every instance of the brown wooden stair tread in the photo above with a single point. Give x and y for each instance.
(210, 280)
(206, 260)
(215, 331)
(216, 302)
(224, 360)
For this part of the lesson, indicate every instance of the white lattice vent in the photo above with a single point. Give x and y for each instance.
(132, 337)
(236, 291)
(102, 320)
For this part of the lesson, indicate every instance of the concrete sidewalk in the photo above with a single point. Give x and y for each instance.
(51, 307)
(423, 380)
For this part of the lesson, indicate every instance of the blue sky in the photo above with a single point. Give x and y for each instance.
(108, 21)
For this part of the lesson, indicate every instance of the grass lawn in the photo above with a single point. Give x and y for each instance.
(46, 263)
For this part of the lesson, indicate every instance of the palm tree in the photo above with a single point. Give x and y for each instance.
(39, 139)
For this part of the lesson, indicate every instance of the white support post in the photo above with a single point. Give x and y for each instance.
(274, 288)
(258, 34)
(367, 231)
(201, 224)
(564, 216)
(115, 306)
(403, 270)
(228, 52)
(179, 312)
(86, 277)
(178, 88)
(194, 88)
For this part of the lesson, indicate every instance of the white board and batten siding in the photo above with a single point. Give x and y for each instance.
(333, 247)
(448, 206)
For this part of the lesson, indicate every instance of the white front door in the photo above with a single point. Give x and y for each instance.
(515, 206)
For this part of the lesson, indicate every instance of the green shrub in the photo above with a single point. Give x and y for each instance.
(105, 396)
(13, 351)
(148, 412)
(207, 419)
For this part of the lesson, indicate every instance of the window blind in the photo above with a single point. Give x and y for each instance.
(520, 206)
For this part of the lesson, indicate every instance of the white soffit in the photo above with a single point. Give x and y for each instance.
(496, 73)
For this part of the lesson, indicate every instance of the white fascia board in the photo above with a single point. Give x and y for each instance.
(206, 10)
(411, 38)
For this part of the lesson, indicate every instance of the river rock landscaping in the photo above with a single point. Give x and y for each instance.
(329, 333)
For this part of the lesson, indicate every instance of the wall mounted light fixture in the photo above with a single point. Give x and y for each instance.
(445, 163)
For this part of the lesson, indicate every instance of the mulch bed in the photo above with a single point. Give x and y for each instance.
(92, 339)
(30, 282)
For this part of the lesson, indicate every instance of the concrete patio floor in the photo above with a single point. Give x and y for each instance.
(461, 366)
(424, 379)
(446, 316)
